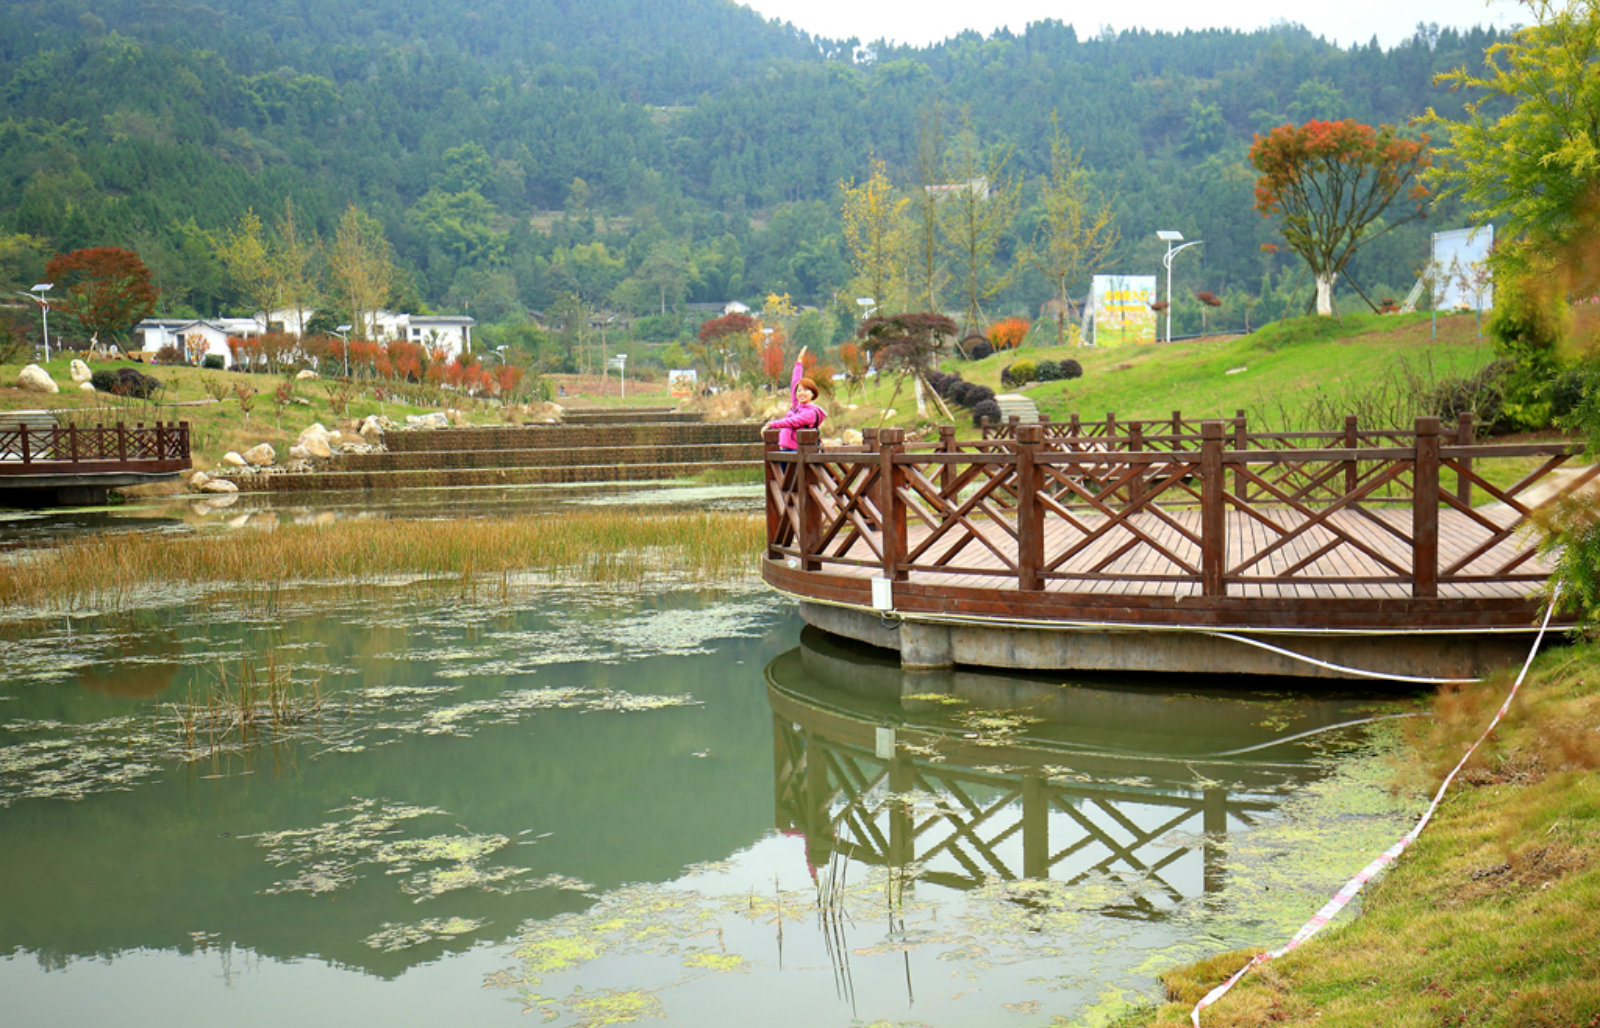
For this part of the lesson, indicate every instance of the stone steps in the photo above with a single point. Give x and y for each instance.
(445, 478)
(603, 450)
(1016, 404)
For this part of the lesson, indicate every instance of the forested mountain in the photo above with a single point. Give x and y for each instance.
(638, 153)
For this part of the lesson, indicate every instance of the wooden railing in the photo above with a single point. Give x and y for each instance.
(26, 450)
(1211, 513)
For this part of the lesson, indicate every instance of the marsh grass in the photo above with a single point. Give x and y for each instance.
(1489, 918)
(244, 706)
(469, 555)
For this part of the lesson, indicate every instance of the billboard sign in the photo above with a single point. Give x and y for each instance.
(1121, 309)
(1461, 269)
(682, 382)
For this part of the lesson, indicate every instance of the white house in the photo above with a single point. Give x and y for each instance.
(451, 333)
(448, 332)
(194, 337)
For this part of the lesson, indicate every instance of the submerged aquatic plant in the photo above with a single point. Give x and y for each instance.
(241, 706)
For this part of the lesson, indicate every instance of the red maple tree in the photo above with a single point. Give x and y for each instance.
(108, 289)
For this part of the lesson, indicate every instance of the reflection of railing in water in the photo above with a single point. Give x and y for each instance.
(850, 801)
(963, 811)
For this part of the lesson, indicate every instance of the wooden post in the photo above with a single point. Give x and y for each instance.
(1030, 512)
(1074, 427)
(775, 470)
(810, 511)
(72, 443)
(869, 439)
(891, 502)
(22, 433)
(1111, 428)
(1213, 516)
(1352, 439)
(1177, 427)
(1425, 511)
(1241, 442)
(1135, 471)
(947, 472)
(1464, 437)
(122, 442)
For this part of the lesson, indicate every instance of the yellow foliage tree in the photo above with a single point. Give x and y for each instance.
(875, 233)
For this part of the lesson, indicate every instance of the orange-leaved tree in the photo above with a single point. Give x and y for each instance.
(1008, 333)
(108, 289)
(1332, 182)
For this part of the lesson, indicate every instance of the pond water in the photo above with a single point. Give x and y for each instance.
(656, 804)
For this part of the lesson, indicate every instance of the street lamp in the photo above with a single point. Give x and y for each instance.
(620, 362)
(37, 293)
(343, 333)
(1170, 236)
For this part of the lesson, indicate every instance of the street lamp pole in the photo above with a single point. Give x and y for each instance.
(343, 333)
(38, 293)
(1169, 236)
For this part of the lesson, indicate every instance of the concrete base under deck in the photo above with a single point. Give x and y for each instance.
(931, 643)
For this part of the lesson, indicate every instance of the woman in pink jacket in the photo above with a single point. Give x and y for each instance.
(802, 412)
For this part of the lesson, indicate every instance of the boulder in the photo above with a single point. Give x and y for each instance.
(86, 387)
(233, 457)
(261, 455)
(851, 437)
(305, 373)
(313, 442)
(371, 431)
(298, 452)
(219, 485)
(198, 480)
(34, 379)
(80, 371)
(435, 419)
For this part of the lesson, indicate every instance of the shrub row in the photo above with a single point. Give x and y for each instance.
(979, 398)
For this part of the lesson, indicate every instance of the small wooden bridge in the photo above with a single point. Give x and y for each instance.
(79, 465)
(1171, 545)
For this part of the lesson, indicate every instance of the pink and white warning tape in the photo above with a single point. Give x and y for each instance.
(1342, 898)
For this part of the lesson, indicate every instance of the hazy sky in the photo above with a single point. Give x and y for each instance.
(920, 22)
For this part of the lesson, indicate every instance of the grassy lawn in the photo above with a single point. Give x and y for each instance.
(1299, 374)
(1489, 918)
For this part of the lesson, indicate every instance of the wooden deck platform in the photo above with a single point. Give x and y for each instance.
(1212, 529)
(74, 465)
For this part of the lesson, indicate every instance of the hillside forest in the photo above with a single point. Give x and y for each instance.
(527, 160)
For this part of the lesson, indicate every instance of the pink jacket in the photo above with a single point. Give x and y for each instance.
(801, 415)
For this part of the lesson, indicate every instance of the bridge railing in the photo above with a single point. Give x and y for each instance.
(1223, 513)
(30, 450)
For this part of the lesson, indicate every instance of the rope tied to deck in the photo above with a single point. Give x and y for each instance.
(1342, 898)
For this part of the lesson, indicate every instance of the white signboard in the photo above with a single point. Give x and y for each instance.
(682, 381)
(1120, 307)
(1461, 269)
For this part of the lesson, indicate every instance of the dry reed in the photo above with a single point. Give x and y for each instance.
(597, 546)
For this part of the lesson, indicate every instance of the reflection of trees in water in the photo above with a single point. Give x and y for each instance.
(146, 667)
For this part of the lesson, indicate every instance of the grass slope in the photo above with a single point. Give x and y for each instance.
(1489, 918)
(1298, 374)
